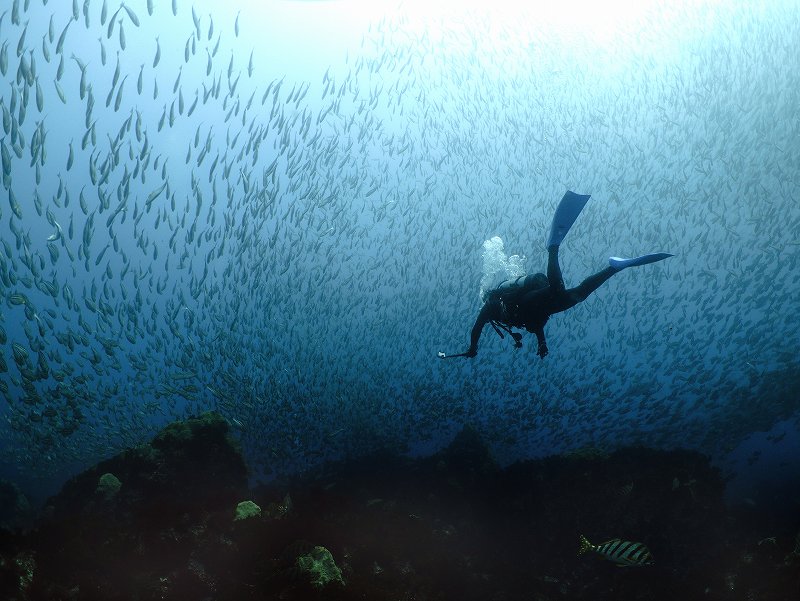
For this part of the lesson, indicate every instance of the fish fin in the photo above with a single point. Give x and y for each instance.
(585, 545)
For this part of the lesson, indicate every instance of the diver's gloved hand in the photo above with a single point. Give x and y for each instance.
(542, 350)
(471, 353)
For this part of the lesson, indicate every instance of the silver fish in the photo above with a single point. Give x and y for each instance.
(62, 38)
(157, 58)
(132, 15)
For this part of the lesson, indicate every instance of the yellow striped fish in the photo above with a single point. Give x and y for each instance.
(621, 552)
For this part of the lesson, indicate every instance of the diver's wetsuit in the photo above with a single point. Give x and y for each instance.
(529, 304)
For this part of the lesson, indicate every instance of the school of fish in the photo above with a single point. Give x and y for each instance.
(182, 233)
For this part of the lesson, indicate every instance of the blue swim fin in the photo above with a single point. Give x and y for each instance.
(567, 212)
(619, 263)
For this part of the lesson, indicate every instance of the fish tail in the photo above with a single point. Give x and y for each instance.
(585, 545)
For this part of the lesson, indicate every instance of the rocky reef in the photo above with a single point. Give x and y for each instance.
(15, 509)
(175, 520)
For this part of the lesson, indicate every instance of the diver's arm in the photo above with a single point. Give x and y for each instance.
(485, 316)
(539, 331)
(477, 329)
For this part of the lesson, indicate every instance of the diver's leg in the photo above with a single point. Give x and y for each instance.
(581, 292)
(547, 300)
(554, 277)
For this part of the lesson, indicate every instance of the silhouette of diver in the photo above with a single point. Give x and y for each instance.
(528, 301)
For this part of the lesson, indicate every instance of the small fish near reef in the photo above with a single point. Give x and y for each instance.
(623, 553)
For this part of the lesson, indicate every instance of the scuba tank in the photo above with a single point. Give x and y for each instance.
(520, 284)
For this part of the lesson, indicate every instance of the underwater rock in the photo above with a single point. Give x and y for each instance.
(189, 464)
(277, 511)
(15, 510)
(191, 471)
(453, 525)
(17, 567)
(467, 459)
(469, 450)
(108, 486)
(320, 568)
(588, 452)
(246, 509)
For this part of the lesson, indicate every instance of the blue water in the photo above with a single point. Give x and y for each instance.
(287, 223)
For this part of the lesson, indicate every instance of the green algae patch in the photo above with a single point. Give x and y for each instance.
(246, 509)
(318, 566)
(108, 486)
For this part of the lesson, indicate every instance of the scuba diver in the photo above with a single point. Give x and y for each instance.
(529, 300)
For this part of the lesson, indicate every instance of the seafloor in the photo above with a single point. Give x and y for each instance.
(165, 521)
